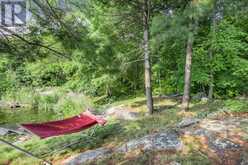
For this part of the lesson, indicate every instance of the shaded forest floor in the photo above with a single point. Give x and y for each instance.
(220, 138)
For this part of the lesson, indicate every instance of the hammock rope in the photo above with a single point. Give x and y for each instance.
(24, 151)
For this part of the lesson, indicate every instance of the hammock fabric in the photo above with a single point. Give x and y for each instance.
(66, 126)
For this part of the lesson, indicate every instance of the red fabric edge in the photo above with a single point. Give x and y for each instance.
(100, 120)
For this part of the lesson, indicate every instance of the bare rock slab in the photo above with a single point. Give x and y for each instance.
(88, 156)
(155, 142)
(3, 131)
(174, 163)
(223, 144)
(121, 113)
(186, 122)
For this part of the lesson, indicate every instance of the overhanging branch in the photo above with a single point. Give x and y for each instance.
(56, 52)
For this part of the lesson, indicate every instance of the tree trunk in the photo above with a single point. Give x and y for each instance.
(211, 77)
(148, 86)
(187, 75)
(210, 54)
(216, 16)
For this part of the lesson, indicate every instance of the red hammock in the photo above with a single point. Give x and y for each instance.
(66, 126)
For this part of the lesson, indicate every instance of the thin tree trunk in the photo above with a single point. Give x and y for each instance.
(187, 75)
(210, 54)
(216, 16)
(211, 77)
(148, 86)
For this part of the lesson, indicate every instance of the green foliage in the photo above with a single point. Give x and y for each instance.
(236, 105)
(229, 64)
(105, 54)
(220, 106)
(4, 85)
(229, 44)
(45, 74)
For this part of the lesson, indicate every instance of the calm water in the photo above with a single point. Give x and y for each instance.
(25, 116)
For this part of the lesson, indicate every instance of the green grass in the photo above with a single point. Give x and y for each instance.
(63, 102)
(202, 110)
(236, 105)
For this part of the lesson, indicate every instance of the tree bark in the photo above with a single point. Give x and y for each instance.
(148, 85)
(211, 77)
(216, 16)
(187, 75)
(210, 54)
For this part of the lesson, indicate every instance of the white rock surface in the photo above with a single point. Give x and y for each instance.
(186, 122)
(87, 156)
(121, 113)
(155, 142)
(3, 131)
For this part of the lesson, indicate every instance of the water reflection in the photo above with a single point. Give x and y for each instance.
(10, 116)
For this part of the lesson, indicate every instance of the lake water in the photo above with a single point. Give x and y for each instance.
(9, 116)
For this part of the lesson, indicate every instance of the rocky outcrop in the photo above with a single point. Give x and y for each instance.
(155, 142)
(219, 140)
(3, 131)
(121, 113)
(186, 122)
(223, 144)
(174, 163)
(166, 141)
(87, 156)
(222, 140)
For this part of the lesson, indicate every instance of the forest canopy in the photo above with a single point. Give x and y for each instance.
(97, 47)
